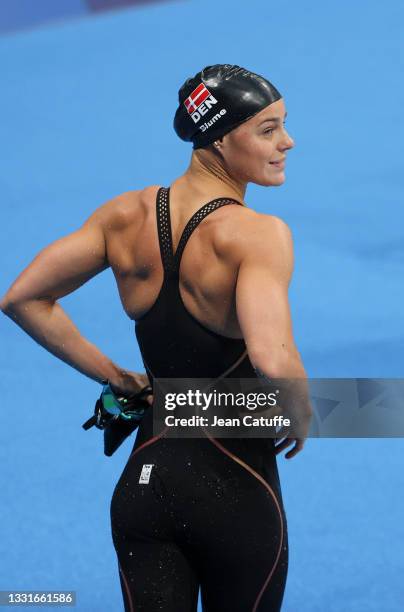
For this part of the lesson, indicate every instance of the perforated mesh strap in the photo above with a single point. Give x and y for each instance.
(164, 228)
(195, 220)
(170, 261)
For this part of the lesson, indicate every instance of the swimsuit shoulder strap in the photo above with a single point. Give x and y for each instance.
(164, 229)
(171, 261)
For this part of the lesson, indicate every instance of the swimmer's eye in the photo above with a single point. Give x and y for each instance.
(270, 130)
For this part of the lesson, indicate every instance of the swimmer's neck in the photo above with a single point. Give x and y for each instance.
(206, 174)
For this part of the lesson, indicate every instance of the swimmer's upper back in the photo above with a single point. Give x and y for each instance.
(234, 272)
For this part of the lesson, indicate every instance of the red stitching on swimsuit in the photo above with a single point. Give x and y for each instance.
(259, 477)
(149, 441)
(131, 608)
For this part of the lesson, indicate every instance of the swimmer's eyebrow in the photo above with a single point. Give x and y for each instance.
(273, 119)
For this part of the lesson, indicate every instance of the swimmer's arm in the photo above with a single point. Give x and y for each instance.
(58, 270)
(264, 275)
(265, 271)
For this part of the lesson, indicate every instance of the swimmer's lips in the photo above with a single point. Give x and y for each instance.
(279, 164)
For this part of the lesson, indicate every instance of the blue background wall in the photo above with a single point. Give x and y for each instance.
(87, 107)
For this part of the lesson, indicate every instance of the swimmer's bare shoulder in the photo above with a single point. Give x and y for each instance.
(117, 212)
(255, 236)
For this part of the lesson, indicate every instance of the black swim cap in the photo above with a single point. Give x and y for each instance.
(218, 99)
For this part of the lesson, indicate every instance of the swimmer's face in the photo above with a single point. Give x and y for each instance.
(251, 149)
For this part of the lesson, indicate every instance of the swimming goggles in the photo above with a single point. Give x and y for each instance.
(111, 406)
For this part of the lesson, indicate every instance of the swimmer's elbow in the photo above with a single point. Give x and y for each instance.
(289, 366)
(5, 305)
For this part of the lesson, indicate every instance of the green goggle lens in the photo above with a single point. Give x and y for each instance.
(116, 405)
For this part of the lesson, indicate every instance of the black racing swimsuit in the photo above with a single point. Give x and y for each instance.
(209, 512)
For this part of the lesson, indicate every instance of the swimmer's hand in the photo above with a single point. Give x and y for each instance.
(283, 441)
(301, 420)
(131, 383)
(299, 443)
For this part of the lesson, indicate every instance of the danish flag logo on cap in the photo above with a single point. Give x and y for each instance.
(196, 98)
